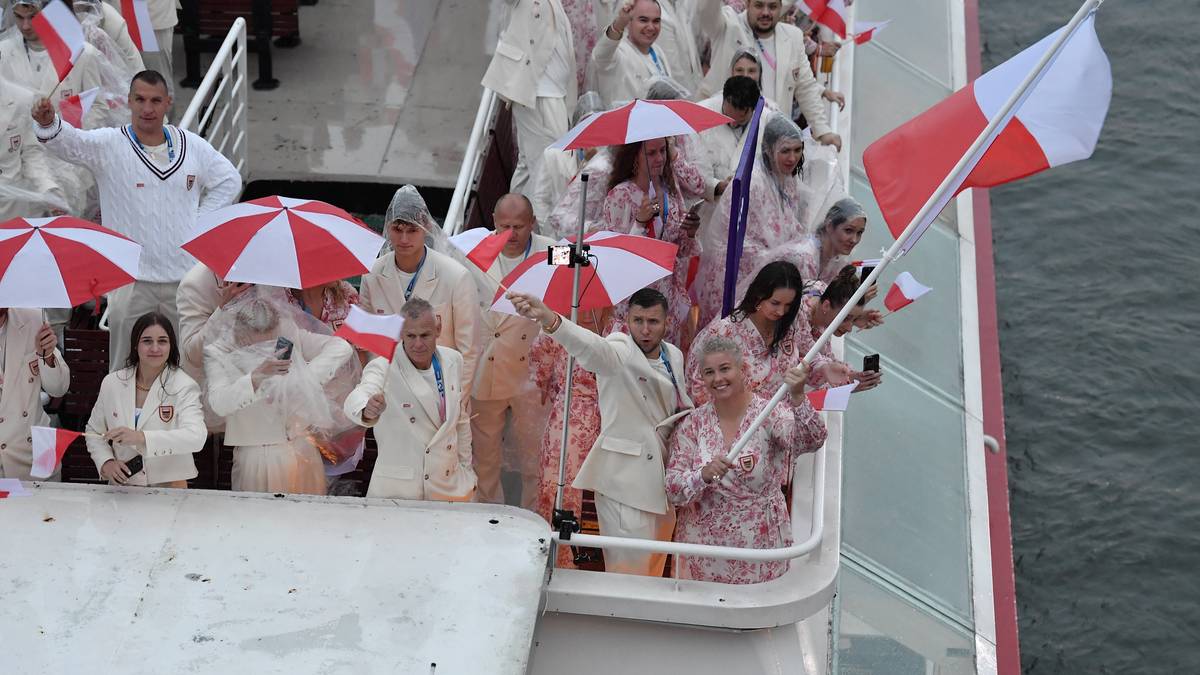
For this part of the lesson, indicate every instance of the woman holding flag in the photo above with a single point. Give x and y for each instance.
(737, 503)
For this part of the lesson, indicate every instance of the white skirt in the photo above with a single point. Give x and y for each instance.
(280, 467)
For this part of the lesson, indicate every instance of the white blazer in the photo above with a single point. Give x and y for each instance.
(637, 412)
(504, 363)
(525, 46)
(171, 419)
(15, 68)
(251, 419)
(420, 456)
(794, 80)
(446, 285)
(677, 40)
(619, 72)
(25, 376)
(22, 159)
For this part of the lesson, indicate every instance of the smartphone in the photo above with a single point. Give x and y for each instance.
(871, 363)
(135, 465)
(865, 272)
(559, 256)
(283, 349)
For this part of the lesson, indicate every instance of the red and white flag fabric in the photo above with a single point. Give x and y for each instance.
(1057, 121)
(904, 292)
(12, 487)
(141, 31)
(481, 245)
(61, 34)
(833, 14)
(864, 31)
(867, 262)
(49, 446)
(375, 333)
(74, 108)
(832, 399)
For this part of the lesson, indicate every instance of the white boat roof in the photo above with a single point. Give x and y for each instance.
(101, 579)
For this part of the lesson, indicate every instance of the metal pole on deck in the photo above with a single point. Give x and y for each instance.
(577, 263)
(951, 182)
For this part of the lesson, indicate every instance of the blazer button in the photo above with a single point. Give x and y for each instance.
(491, 358)
(1, 420)
(427, 451)
(527, 61)
(651, 456)
(522, 358)
(412, 420)
(448, 446)
(497, 335)
(523, 336)
(426, 476)
(23, 414)
(31, 380)
(3, 446)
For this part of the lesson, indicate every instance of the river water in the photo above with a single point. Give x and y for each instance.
(1100, 329)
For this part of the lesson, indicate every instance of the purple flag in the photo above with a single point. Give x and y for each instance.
(739, 205)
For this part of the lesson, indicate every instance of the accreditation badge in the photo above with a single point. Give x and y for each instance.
(166, 413)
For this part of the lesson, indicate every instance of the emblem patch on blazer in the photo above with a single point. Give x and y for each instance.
(33, 368)
(336, 323)
(166, 412)
(746, 463)
(14, 143)
(67, 93)
(191, 181)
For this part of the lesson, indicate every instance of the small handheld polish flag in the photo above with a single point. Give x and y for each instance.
(49, 446)
(833, 399)
(62, 35)
(904, 292)
(832, 14)
(12, 487)
(868, 262)
(864, 31)
(74, 108)
(481, 245)
(375, 333)
(141, 30)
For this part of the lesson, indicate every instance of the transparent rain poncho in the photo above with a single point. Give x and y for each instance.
(308, 398)
(666, 89)
(38, 189)
(559, 167)
(783, 210)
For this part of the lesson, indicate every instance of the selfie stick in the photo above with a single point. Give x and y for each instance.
(936, 202)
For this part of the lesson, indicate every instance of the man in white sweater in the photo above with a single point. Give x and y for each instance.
(154, 181)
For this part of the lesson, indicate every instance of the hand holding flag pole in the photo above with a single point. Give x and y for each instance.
(938, 200)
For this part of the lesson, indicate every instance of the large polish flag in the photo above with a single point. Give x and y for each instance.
(62, 35)
(1056, 121)
(375, 333)
(137, 16)
(481, 246)
(833, 14)
(49, 446)
(832, 399)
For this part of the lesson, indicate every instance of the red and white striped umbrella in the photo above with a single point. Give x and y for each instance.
(281, 241)
(62, 261)
(640, 120)
(621, 265)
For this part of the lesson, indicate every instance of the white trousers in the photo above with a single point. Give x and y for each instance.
(487, 447)
(127, 304)
(536, 128)
(621, 520)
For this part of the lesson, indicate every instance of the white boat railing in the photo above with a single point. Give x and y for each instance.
(468, 173)
(218, 111)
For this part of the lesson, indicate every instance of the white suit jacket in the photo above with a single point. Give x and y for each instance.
(504, 362)
(446, 285)
(22, 159)
(250, 418)
(677, 39)
(171, 419)
(25, 376)
(638, 408)
(196, 300)
(525, 46)
(15, 67)
(794, 79)
(420, 456)
(118, 29)
(619, 72)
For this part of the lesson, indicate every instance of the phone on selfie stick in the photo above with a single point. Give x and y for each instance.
(871, 363)
(283, 349)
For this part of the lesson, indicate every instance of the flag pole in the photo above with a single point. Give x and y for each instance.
(949, 184)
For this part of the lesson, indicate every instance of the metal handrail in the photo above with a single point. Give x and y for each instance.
(468, 173)
(218, 110)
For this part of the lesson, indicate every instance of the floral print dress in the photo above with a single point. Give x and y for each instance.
(746, 508)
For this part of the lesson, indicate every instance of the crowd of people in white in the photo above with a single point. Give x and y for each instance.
(663, 383)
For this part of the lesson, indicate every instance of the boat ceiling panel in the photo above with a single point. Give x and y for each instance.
(99, 579)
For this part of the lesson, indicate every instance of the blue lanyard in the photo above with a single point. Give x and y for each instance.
(666, 213)
(662, 355)
(441, 384)
(170, 143)
(528, 247)
(413, 282)
(654, 58)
